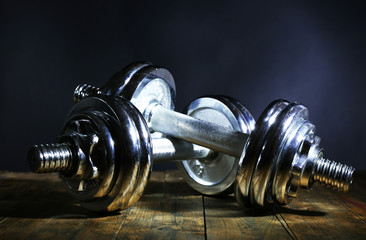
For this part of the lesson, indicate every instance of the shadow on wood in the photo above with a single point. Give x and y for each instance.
(224, 203)
(33, 198)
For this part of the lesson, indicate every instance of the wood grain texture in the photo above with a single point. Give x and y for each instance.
(38, 207)
(169, 209)
(321, 214)
(226, 220)
(354, 200)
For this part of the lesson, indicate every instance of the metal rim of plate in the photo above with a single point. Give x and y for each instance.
(128, 161)
(216, 176)
(150, 85)
(272, 147)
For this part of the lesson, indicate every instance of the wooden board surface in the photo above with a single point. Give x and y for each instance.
(38, 207)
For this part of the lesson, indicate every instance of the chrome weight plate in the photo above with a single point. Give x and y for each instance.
(130, 159)
(150, 85)
(269, 144)
(292, 157)
(93, 130)
(145, 152)
(253, 151)
(277, 136)
(143, 85)
(121, 79)
(215, 176)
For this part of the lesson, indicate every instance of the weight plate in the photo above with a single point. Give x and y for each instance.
(85, 125)
(130, 141)
(143, 85)
(270, 142)
(150, 85)
(145, 152)
(121, 79)
(253, 151)
(277, 136)
(215, 176)
(293, 151)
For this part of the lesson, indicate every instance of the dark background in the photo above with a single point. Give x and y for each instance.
(307, 51)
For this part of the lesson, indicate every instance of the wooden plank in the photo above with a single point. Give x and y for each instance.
(38, 206)
(106, 227)
(54, 228)
(44, 210)
(34, 200)
(69, 220)
(169, 209)
(225, 219)
(19, 199)
(318, 214)
(355, 199)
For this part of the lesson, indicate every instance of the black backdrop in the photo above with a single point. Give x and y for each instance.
(307, 51)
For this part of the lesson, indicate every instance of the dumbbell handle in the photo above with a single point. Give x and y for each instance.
(45, 158)
(167, 149)
(209, 137)
(203, 133)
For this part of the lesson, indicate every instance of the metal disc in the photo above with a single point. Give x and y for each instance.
(293, 153)
(145, 152)
(253, 152)
(121, 79)
(84, 123)
(143, 85)
(215, 176)
(150, 85)
(265, 153)
(277, 136)
(130, 141)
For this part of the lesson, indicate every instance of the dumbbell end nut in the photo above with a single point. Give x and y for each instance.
(46, 158)
(84, 90)
(333, 174)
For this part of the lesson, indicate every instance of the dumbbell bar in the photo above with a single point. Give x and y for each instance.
(152, 91)
(163, 150)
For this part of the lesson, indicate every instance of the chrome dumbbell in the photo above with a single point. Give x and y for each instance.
(221, 124)
(283, 154)
(105, 152)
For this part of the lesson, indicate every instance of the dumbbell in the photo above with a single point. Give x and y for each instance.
(283, 154)
(212, 122)
(288, 164)
(105, 152)
(209, 172)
